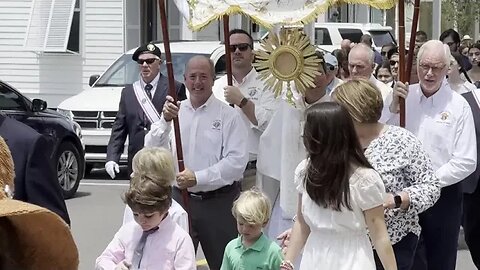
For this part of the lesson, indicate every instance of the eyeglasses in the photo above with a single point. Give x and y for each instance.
(393, 62)
(242, 47)
(148, 61)
(435, 69)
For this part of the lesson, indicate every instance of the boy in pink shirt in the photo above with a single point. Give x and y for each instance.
(153, 240)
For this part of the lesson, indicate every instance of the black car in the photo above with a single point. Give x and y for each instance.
(68, 155)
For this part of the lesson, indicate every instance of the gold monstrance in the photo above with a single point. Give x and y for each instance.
(285, 58)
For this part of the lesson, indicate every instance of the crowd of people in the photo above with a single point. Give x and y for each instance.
(356, 190)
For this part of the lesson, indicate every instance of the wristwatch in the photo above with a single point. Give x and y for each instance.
(243, 102)
(398, 200)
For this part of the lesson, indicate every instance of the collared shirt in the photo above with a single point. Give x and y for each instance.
(264, 254)
(444, 124)
(387, 93)
(176, 212)
(333, 84)
(265, 105)
(404, 165)
(169, 248)
(281, 149)
(154, 84)
(213, 142)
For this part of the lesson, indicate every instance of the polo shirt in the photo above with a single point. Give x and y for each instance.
(264, 254)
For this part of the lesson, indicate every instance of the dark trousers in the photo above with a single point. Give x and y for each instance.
(404, 252)
(437, 247)
(471, 224)
(212, 223)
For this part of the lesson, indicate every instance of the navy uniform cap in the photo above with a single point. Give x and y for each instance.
(147, 48)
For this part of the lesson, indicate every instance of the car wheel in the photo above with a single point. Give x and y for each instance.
(68, 169)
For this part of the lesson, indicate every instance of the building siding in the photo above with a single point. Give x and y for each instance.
(57, 76)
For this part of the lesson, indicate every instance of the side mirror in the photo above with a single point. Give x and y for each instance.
(38, 105)
(93, 79)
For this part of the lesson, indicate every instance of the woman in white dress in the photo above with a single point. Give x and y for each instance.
(340, 196)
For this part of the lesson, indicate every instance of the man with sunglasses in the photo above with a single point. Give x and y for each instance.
(255, 104)
(140, 106)
(442, 120)
(452, 39)
(331, 65)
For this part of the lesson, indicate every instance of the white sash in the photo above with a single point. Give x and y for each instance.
(145, 103)
(476, 97)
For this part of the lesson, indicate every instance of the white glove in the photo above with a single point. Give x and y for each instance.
(123, 265)
(111, 167)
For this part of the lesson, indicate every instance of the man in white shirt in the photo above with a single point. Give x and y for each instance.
(215, 155)
(443, 121)
(281, 149)
(331, 65)
(255, 104)
(361, 66)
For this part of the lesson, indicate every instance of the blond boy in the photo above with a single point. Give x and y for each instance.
(251, 249)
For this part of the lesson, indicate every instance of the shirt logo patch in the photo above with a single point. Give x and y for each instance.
(216, 124)
(253, 91)
(444, 116)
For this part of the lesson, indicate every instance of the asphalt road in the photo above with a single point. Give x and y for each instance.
(97, 211)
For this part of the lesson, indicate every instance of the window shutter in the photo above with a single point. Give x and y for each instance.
(49, 25)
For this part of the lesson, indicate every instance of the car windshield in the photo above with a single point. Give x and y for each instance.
(381, 38)
(126, 71)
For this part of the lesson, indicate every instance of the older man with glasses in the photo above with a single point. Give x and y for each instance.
(140, 106)
(443, 121)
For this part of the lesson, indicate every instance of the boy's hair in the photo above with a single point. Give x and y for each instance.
(147, 196)
(252, 207)
(154, 163)
(151, 184)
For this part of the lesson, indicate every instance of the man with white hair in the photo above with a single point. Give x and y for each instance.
(443, 121)
(361, 66)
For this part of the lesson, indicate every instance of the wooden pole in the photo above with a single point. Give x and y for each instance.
(173, 93)
(401, 52)
(416, 12)
(228, 57)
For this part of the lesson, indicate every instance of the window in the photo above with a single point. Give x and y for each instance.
(74, 36)
(9, 100)
(381, 38)
(322, 36)
(54, 26)
(353, 35)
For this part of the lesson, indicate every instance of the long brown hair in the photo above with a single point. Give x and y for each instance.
(332, 146)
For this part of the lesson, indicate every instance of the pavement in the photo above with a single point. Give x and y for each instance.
(97, 211)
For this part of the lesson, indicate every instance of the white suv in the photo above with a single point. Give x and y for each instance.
(95, 108)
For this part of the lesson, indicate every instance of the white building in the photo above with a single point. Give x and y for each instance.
(49, 48)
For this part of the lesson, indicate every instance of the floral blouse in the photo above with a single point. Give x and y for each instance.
(398, 156)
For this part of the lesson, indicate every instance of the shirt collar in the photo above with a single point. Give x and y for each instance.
(435, 99)
(252, 74)
(205, 105)
(257, 246)
(154, 82)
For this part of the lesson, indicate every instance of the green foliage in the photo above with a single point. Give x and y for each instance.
(462, 13)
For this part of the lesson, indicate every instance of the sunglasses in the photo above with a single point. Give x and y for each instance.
(148, 61)
(241, 47)
(392, 63)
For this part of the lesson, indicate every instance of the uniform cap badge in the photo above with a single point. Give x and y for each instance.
(151, 47)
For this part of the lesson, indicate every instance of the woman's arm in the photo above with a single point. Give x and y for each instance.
(299, 234)
(379, 236)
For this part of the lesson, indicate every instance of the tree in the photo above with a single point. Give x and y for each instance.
(461, 14)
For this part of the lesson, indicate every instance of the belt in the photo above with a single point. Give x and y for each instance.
(201, 195)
